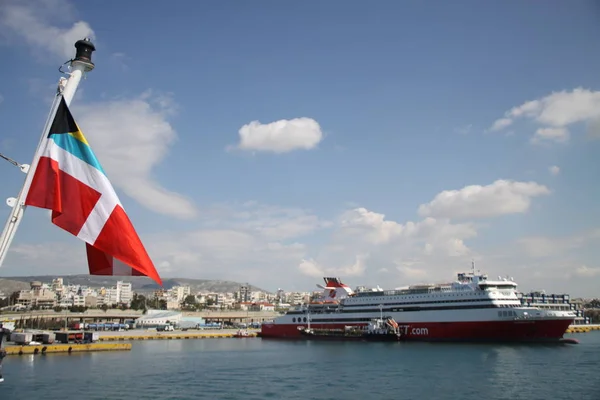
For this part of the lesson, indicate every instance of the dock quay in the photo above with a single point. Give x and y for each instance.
(583, 328)
(178, 335)
(65, 348)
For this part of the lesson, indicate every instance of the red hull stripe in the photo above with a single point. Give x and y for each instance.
(531, 330)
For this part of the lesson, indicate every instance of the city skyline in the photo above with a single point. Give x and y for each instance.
(387, 146)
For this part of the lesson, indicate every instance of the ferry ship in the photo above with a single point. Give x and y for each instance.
(472, 308)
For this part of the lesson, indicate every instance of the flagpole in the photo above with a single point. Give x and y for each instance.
(66, 89)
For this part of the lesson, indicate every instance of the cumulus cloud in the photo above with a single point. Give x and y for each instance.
(587, 272)
(34, 23)
(556, 112)
(131, 137)
(476, 201)
(274, 246)
(554, 170)
(557, 135)
(464, 130)
(545, 246)
(312, 268)
(366, 240)
(280, 136)
(224, 245)
(276, 223)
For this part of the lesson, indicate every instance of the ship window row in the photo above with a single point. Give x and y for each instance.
(299, 319)
(429, 302)
(316, 318)
(398, 294)
(354, 307)
(507, 313)
(458, 307)
(342, 320)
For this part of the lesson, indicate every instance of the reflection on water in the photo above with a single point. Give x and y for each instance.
(261, 369)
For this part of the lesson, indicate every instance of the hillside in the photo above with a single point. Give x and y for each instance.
(139, 284)
(8, 286)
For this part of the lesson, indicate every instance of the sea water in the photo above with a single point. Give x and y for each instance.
(254, 368)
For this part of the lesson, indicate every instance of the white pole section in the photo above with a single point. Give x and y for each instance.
(82, 63)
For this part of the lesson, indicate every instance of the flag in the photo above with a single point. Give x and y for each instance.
(70, 181)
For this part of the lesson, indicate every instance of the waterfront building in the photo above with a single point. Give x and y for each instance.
(243, 295)
(154, 318)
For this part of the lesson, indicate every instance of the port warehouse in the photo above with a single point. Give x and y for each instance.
(157, 319)
(131, 319)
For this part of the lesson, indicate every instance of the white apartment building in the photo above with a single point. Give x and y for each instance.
(119, 294)
(179, 293)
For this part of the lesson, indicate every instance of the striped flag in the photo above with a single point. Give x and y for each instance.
(70, 181)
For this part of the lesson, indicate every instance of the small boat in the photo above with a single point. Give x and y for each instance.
(378, 330)
(242, 333)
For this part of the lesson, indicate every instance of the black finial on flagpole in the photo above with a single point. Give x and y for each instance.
(83, 56)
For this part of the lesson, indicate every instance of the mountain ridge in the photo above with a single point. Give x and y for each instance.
(139, 284)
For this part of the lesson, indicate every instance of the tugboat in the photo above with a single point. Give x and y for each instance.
(378, 330)
(242, 333)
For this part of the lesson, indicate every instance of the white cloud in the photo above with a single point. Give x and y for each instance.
(554, 170)
(593, 128)
(272, 246)
(587, 272)
(476, 201)
(556, 112)
(312, 268)
(409, 270)
(131, 137)
(120, 60)
(33, 22)
(557, 135)
(544, 246)
(224, 245)
(280, 136)
(370, 225)
(276, 223)
(365, 240)
(500, 124)
(464, 130)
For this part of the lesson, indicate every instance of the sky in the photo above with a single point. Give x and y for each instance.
(274, 143)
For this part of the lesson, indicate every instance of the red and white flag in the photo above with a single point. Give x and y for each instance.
(70, 181)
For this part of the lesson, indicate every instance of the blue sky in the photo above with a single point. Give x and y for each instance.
(393, 143)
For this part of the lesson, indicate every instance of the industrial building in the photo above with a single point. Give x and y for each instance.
(156, 318)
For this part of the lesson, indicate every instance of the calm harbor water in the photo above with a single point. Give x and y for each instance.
(271, 369)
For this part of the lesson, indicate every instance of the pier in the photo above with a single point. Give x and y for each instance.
(32, 319)
(583, 328)
(171, 336)
(65, 348)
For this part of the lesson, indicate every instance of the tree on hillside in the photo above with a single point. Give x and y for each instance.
(190, 303)
(138, 302)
